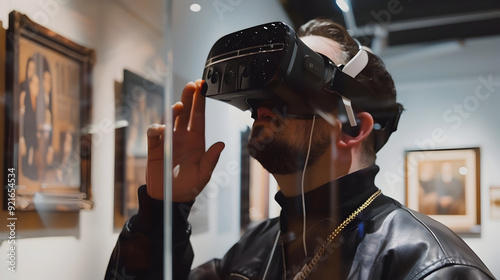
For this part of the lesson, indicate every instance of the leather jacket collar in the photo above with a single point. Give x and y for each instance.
(333, 201)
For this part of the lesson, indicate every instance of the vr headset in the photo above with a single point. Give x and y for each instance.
(270, 64)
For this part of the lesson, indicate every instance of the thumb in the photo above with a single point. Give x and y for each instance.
(209, 161)
(154, 166)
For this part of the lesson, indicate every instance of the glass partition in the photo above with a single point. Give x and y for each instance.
(80, 83)
(88, 181)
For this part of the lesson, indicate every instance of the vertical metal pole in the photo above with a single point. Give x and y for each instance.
(167, 193)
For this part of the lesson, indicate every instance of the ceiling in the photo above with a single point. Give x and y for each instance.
(398, 22)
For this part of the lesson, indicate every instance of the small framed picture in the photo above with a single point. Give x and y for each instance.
(48, 107)
(444, 184)
(495, 202)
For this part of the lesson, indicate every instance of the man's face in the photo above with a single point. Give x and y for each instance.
(280, 144)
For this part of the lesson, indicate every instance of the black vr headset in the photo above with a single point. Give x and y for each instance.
(270, 64)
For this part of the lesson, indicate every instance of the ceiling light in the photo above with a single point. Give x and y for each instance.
(343, 5)
(195, 7)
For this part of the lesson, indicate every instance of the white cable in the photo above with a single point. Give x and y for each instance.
(272, 253)
(302, 189)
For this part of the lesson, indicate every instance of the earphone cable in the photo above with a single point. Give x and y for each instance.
(302, 189)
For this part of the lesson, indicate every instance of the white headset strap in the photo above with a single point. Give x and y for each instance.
(350, 112)
(353, 68)
(357, 63)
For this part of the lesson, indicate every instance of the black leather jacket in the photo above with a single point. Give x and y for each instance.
(385, 241)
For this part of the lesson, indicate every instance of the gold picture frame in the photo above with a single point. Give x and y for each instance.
(47, 119)
(445, 185)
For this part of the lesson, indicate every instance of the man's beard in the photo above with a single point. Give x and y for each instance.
(279, 156)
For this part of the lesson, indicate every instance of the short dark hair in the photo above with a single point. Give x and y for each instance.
(374, 76)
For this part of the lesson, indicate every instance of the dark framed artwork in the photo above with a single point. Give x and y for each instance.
(445, 184)
(139, 103)
(47, 118)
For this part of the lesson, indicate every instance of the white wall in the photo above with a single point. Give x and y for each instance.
(431, 80)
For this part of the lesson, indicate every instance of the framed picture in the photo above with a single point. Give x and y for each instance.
(495, 202)
(48, 106)
(444, 184)
(139, 103)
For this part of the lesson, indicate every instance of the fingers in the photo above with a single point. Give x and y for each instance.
(197, 122)
(209, 161)
(177, 109)
(187, 101)
(192, 115)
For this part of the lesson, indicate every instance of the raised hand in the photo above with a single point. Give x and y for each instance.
(192, 164)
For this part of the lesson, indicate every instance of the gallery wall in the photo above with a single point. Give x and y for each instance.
(122, 38)
(451, 92)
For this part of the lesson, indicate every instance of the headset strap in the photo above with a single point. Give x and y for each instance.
(357, 63)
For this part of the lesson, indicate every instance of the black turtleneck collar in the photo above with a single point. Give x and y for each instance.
(333, 201)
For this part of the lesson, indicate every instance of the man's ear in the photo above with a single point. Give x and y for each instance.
(365, 127)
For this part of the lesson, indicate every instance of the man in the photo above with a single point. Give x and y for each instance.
(334, 224)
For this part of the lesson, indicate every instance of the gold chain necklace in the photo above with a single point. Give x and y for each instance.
(307, 268)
